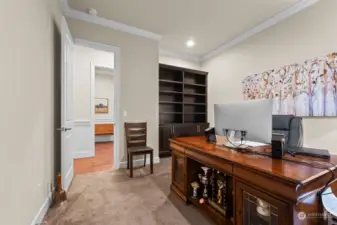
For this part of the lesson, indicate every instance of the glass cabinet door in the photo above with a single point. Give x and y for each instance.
(258, 212)
(178, 173)
(257, 208)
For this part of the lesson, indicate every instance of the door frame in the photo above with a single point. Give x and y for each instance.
(117, 90)
(93, 67)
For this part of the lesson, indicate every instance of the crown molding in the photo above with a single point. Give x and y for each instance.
(75, 14)
(188, 57)
(290, 11)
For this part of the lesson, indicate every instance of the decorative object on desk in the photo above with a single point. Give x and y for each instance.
(217, 207)
(203, 201)
(220, 187)
(195, 185)
(217, 203)
(204, 181)
(305, 89)
(213, 185)
(262, 208)
(224, 193)
(60, 194)
(101, 105)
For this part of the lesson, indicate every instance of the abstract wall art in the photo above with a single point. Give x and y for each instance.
(307, 89)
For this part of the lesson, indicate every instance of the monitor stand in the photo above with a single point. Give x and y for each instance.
(229, 145)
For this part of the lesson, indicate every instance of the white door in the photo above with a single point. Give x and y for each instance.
(67, 121)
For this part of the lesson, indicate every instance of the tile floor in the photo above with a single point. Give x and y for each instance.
(102, 161)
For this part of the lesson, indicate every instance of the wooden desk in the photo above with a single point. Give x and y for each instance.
(104, 129)
(288, 186)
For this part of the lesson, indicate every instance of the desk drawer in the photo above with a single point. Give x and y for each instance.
(104, 129)
(210, 161)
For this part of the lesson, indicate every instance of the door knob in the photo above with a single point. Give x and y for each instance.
(63, 129)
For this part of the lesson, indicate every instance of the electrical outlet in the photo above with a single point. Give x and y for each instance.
(51, 187)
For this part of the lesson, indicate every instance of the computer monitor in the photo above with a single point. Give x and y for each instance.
(254, 117)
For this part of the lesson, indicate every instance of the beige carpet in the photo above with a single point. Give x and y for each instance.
(112, 198)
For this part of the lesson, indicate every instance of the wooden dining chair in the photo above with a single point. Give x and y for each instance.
(135, 135)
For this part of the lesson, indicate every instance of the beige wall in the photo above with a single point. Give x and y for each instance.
(84, 57)
(179, 62)
(26, 118)
(139, 76)
(308, 34)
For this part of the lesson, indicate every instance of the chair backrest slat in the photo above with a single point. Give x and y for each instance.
(135, 134)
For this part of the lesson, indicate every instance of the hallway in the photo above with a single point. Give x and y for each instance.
(102, 161)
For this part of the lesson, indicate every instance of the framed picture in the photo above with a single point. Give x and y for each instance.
(101, 105)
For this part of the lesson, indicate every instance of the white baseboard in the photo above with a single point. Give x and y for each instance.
(42, 211)
(104, 120)
(105, 138)
(140, 162)
(68, 178)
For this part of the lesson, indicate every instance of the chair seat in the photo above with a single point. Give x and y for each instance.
(139, 149)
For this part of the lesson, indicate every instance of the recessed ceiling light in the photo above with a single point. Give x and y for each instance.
(190, 43)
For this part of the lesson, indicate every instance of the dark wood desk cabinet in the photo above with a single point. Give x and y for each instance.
(259, 190)
(178, 130)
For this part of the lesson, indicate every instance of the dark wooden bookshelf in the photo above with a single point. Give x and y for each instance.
(170, 81)
(182, 104)
(170, 102)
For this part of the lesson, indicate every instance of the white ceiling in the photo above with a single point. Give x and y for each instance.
(211, 23)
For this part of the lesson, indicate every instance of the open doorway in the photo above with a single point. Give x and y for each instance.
(104, 118)
(95, 101)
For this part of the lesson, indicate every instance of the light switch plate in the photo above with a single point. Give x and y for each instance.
(125, 113)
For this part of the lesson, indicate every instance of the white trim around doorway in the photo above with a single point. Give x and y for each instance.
(117, 91)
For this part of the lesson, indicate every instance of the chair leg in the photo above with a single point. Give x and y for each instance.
(151, 162)
(131, 165)
(144, 159)
(128, 161)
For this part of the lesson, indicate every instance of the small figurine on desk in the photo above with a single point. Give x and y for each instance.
(195, 185)
(203, 201)
(60, 194)
(204, 181)
(224, 193)
(213, 185)
(220, 186)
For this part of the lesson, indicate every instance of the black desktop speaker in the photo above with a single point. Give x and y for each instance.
(277, 145)
(210, 135)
